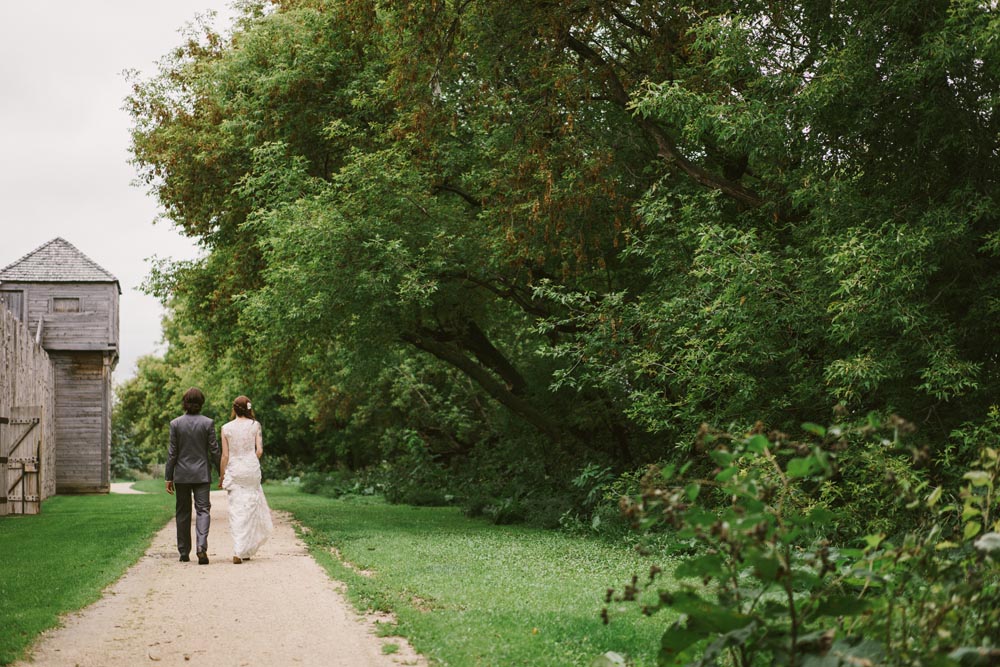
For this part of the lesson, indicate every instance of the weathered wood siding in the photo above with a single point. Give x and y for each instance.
(27, 380)
(83, 421)
(94, 327)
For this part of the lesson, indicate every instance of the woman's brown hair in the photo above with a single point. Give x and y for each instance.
(242, 408)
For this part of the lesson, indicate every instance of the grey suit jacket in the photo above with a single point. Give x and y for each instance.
(193, 451)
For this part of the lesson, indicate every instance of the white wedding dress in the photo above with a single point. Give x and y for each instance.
(249, 515)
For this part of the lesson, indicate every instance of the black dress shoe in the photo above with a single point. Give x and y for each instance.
(202, 558)
(185, 558)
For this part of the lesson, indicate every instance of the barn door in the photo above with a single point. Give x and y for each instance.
(20, 461)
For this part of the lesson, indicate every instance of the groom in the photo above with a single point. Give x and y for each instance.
(193, 451)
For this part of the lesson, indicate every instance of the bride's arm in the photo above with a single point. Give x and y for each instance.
(260, 442)
(225, 458)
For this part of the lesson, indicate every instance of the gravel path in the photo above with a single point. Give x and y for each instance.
(279, 608)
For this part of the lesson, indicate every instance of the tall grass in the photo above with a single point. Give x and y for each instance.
(466, 592)
(60, 560)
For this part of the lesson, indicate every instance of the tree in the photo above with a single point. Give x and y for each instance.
(604, 221)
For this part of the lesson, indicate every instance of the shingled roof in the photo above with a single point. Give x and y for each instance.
(57, 261)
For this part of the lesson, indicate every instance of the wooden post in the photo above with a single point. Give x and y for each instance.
(3, 468)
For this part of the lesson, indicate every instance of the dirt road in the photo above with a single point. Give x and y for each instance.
(279, 608)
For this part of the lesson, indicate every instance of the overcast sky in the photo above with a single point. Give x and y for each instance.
(64, 139)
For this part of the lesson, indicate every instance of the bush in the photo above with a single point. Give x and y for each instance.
(276, 468)
(506, 482)
(331, 484)
(125, 460)
(769, 587)
(411, 476)
(405, 482)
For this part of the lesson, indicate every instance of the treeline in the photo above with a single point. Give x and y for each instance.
(492, 248)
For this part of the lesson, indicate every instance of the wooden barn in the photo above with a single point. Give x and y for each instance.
(70, 304)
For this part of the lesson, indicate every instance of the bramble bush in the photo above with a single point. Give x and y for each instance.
(767, 586)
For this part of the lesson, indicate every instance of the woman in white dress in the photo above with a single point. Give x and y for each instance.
(239, 474)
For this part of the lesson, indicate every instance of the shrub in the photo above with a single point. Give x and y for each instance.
(125, 460)
(412, 476)
(331, 484)
(276, 468)
(769, 587)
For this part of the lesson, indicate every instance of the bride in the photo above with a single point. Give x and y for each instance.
(239, 474)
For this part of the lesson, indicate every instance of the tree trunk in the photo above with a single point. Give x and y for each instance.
(450, 354)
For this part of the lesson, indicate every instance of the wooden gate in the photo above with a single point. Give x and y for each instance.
(20, 461)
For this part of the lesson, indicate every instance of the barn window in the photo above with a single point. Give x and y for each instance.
(13, 300)
(66, 304)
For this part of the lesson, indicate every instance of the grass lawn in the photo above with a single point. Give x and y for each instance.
(60, 560)
(468, 593)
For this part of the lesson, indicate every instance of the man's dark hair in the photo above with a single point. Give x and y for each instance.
(193, 400)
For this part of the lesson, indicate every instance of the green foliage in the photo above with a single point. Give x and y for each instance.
(770, 587)
(536, 236)
(141, 414)
(335, 484)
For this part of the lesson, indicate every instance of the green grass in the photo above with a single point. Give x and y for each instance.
(60, 560)
(466, 592)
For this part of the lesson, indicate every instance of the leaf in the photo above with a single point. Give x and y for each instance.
(726, 474)
(935, 495)
(842, 605)
(692, 490)
(707, 617)
(673, 643)
(699, 517)
(970, 512)
(820, 514)
(815, 429)
(700, 566)
(873, 541)
(765, 567)
(721, 457)
(730, 639)
(758, 444)
(817, 516)
(972, 529)
(801, 467)
(978, 477)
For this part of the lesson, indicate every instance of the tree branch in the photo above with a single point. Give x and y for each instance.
(476, 341)
(626, 21)
(519, 406)
(445, 187)
(666, 148)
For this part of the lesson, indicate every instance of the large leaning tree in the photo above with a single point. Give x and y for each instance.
(584, 225)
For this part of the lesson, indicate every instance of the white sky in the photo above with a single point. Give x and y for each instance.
(64, 140)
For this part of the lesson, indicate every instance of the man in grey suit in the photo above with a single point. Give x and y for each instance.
(193, 451)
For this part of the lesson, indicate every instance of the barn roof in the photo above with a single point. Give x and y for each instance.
(57, 261)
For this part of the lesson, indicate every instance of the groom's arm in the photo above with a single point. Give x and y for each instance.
(213, 447)
(168, 473)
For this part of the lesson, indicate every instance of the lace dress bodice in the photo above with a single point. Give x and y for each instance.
(242, 436)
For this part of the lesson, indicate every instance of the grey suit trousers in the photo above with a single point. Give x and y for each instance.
(202, 505)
